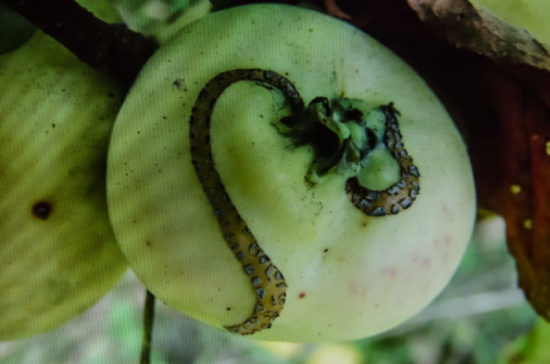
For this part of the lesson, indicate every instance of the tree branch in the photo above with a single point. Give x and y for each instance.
(148, 320)
(111, 48)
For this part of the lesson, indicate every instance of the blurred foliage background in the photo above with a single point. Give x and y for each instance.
(481, 317)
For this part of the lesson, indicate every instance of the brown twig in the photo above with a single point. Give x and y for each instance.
(148, 319)
(479, 31)
(111, 48)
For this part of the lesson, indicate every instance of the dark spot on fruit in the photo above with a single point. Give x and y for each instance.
(53, 125)
(148, 243)
(302, 295)
(325, 250)
(178, 83)
(228, 308)
(42, 210)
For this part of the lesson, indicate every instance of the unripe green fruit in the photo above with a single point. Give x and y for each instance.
(57, 250)
(348, 274)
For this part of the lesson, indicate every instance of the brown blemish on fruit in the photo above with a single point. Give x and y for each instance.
(357, 289)
(42, 210)
(448, 212)
(389, 271)
(302, 295)
(178, 84)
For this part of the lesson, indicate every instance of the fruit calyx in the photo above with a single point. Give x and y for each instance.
(342, 133)
(362, 143)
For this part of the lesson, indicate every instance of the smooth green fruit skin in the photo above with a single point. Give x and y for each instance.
(349, 275)
(102, 9)
(56, 114)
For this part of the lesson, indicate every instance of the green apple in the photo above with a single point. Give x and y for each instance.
(102, 9)
(347, 274)
(58, 255)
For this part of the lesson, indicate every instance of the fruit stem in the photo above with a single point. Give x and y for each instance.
(148, 320)
(111, 48)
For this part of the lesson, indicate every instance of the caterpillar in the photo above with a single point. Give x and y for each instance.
(401, 194)
(267, 280)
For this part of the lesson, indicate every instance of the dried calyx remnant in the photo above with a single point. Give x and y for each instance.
(346, 136)
(364, 144)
